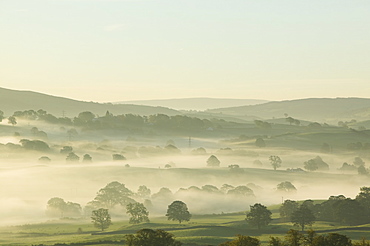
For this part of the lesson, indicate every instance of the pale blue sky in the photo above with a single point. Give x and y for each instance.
(114, 50)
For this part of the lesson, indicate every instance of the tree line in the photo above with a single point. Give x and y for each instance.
(89, 120)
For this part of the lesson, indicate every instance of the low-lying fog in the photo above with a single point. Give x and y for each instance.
(26, 184)
(25, 187)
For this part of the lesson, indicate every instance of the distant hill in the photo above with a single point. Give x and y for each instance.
(311, 109)
(197, 103)
(13, 100)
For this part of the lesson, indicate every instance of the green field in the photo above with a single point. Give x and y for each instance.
(201, 230)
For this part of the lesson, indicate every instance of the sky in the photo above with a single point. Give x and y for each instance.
(119, 50)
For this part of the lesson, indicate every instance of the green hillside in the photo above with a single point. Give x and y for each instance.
(13, 100)
(312, 109)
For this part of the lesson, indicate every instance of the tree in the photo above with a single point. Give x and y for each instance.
(275, 161)
(86, 116)
(118, 157)
(310, 165)
(362, 170)
(275, 241)
(335, 239)
(316, 164)
(87, 158)
(358, 162)
(286, 186)
(66, 150)
(72, 157)
(143, 191)
(72, 133)
(101, 218)
(1, 116)
(243, 241)
(56, 205)
(149, 237)
(262, 124)
(322, 165)
(241, 190)
(290, 120)
(349, 212)
(294, 238)
(35, 145)
(302, 217)
(260, 143)
(12, 120)
(138, 213)
(199, 151)
(178, 211)
(259, 215)
(287, 208)
(213, 161)
(113, 194)
(72, 209)
(363, 199)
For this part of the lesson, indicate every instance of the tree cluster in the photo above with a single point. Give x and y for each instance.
(340, 209)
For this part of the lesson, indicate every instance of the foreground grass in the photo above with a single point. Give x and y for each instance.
(201, 230)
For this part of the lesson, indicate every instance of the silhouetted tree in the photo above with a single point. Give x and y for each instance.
(243, 241)
(12, 120)
(37, 145)
(275, 161)
(66, 150)
(213, 161)
(56, 205)
(118, 157)
(149, 237)
(101, 218)
(290, 120)
(294, 238)
(86, 116)
(362, 170)
(138, 213)
(310, 165)
(363, 198)
(259, 216)
(72, 157)
(286, 186)
(178, 211)
(302, 217)
(87, 158)
(358, 162)
(113, 194)
(287, 208)
(143, 191)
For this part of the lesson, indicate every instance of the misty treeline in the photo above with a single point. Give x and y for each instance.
(340, 209)
(115, 196)
(89, 120)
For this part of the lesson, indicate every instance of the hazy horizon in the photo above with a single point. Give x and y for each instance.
(107, 51)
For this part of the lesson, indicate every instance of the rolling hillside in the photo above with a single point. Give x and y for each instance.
(13, 100)
(198, 103)
(312, 109)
